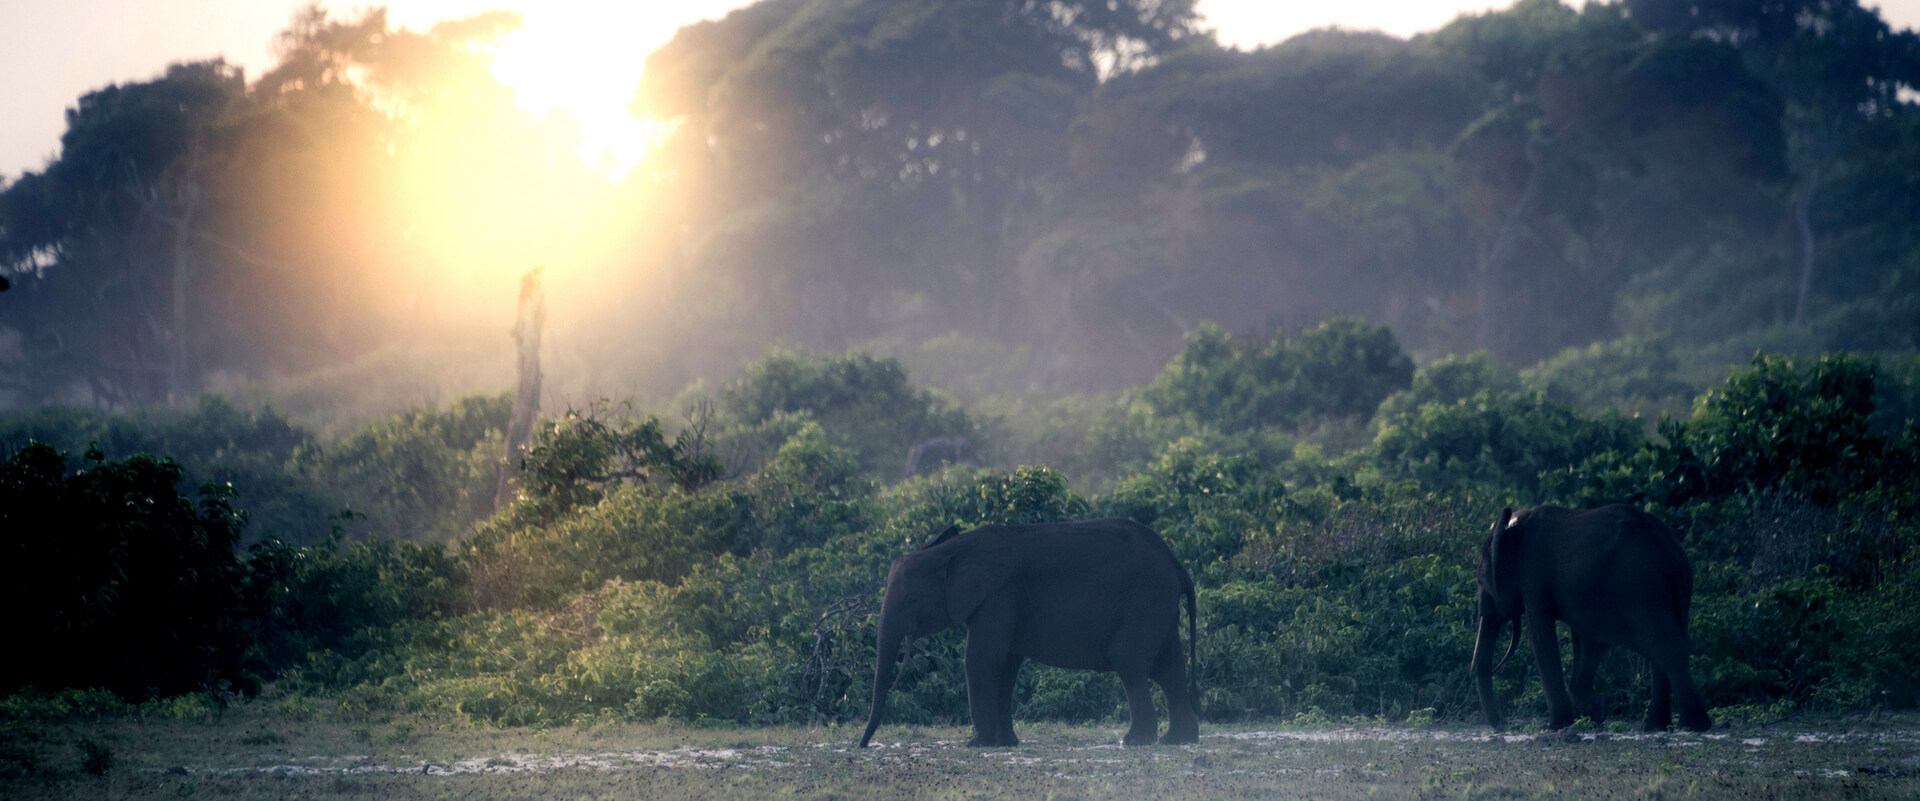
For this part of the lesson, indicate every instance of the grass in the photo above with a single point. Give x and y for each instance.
(260, 752)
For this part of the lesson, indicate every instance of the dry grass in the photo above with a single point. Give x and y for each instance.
(260, 754)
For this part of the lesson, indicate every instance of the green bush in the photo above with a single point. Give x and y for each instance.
(863, 404)
(633, 580)
(117, 580)
(212, 441)
(1342, 367)
(424, 475)
(1774, 426)
(1505, 440)
(1449, 381)
(1639, 377)
(312, 610)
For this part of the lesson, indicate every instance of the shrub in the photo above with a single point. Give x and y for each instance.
(211, 441)
(1342, 367)
(315, 609)
(1504, 441)
(425, 475)
(1635, 375)
(1449, 381)
(1774, 426)
(117, 580)
(862, 403)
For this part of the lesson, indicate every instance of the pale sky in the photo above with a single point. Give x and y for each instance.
(53, 51)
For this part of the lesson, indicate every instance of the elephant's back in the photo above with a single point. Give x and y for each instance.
(1622, 535)
(1106, 545)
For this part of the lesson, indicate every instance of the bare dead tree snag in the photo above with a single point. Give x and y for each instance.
(526, 401)
(1803, 226)
(1492, 268)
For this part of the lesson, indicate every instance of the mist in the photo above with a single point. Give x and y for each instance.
(1015, 209)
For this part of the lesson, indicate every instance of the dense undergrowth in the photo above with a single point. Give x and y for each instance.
(1328, 498)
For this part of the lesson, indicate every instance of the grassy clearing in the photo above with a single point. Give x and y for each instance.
(256, 753)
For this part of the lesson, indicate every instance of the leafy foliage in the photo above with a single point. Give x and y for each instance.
(426, 475)
(1330, 587)
(117, 579)
(862, 403)
(1342, 367)
(1773, 426)
(1505, 440)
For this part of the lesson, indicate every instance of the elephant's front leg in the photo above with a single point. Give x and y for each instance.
(1009, 675)
(1546, 659)
(986, 662)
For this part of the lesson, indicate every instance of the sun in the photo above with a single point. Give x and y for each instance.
(584, 65)
(582, 59)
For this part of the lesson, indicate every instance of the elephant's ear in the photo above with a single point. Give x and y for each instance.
(975, 576)
(1501, 540)
(942, 537)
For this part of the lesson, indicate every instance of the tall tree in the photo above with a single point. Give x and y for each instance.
(110, 241)
(891, 153)
(1839, 66)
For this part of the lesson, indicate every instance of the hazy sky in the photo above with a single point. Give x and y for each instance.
(52, 51)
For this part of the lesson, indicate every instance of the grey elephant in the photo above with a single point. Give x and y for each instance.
(1092, 595)
(1617, 576)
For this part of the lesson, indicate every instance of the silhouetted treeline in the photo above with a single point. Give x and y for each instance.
(1075, 184)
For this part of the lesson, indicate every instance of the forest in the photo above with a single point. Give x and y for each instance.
(1315, 312)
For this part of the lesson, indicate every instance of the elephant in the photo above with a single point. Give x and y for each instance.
(1617, 576)
(1089, 595)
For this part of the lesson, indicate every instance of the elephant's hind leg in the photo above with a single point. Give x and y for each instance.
(1660, 706)
(1671, 680)
(1170, 672)
(1586, 662)
(1693, 707)
(1144, 723)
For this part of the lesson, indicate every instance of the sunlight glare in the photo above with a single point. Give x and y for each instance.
(580, 59)
(584, 61)
(552, 70)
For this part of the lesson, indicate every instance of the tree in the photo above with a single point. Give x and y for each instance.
(111, 240)
(1604, 151)
(195, 224)
(892, 154)
(1343, 367)
(1839, 66)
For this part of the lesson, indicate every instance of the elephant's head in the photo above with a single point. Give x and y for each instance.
(1499, 604)
(935, 587)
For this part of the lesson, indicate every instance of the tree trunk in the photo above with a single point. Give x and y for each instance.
(1502, 247)
(526, 401)
(1803, 224)
(177, 383)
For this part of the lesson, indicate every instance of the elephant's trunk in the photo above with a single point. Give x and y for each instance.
(1483, 644)
(885, 671)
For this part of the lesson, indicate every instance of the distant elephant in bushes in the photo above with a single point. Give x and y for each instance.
(1617, 576)
(1092, 595)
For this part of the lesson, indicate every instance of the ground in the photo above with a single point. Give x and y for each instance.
(253, 753)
